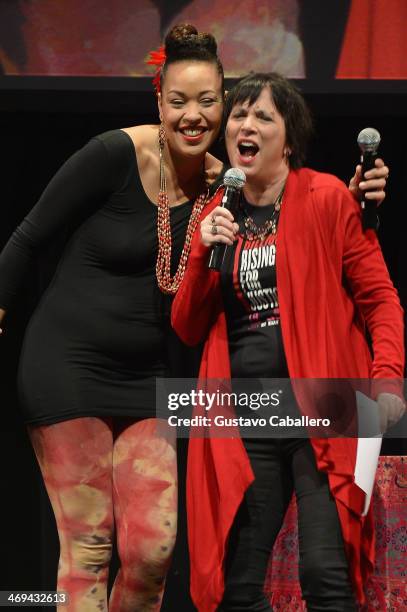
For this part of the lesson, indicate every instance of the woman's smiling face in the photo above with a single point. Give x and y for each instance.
(256, 138)
(191, 106)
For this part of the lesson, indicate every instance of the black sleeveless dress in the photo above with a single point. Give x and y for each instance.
(99, 336)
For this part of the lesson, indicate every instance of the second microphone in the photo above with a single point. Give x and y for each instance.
(233, 181)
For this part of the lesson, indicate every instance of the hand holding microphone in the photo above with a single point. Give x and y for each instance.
(368, 141)
(373, 186)
(218, 228)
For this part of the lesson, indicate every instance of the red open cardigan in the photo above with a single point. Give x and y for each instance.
(320, 242)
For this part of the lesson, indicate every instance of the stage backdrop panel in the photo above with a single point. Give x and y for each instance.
(106, 38)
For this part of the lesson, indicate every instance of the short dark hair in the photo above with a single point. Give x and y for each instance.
(289, 103)
(184, 43)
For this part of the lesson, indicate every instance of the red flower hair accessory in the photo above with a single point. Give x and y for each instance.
(157, 59)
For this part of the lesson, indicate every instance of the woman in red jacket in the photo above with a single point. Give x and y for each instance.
(298, 282)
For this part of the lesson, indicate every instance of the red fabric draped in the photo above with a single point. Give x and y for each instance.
(375, 42)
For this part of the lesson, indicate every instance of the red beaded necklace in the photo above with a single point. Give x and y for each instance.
(166, 283)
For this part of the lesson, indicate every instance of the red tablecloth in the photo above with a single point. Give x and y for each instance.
(387, 588)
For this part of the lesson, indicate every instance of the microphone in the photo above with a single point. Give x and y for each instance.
(368, 141)
(233, 180)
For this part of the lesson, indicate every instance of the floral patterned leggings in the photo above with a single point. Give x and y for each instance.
(103, 475)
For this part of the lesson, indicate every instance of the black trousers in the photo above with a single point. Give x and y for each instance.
(281, 466)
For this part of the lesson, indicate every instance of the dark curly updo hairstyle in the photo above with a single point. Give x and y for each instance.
(288, 101)
(184, 43)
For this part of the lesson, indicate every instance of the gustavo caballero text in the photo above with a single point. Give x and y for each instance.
(223, 421)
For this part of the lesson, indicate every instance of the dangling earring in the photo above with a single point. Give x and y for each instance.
(287, 153)
(162, 137)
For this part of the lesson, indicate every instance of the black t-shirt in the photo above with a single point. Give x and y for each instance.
(249, 288)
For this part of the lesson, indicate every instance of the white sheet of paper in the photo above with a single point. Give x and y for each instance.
(368, 450)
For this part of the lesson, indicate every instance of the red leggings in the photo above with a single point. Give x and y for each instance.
(100, 478)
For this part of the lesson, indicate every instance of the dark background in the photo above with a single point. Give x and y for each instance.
(41, 124)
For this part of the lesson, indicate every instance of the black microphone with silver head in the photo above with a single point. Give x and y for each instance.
(233, 181)
(368, 141)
